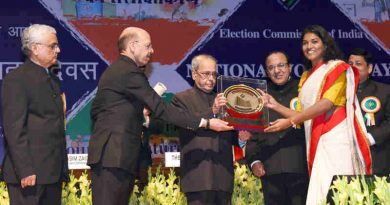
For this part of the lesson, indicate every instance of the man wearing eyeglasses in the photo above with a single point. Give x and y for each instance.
(36, 162)
(117, 116)
(279, 158)
(206, 156)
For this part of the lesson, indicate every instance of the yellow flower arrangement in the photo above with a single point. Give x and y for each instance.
(165, 190)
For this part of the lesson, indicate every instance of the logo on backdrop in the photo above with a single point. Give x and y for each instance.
(288, 4)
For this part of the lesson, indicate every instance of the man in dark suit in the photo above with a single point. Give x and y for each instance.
(36, 160)
(375, 104)
(206, 156)
(123, 91)
(279, 158)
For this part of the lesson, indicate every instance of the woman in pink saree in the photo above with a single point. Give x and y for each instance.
(336, 137)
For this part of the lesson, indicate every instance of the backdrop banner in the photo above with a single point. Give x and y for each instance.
(239, 33)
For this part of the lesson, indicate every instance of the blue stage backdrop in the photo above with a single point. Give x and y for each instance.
(239, 33)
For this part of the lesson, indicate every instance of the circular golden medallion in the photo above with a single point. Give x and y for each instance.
(243, 99)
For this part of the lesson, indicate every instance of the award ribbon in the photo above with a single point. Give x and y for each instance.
(293, 106)
(370, 105)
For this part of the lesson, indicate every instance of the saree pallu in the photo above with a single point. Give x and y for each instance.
(337, 143)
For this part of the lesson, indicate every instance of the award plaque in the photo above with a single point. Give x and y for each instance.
(244, 108)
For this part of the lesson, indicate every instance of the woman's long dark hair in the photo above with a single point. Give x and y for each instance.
(332, 50)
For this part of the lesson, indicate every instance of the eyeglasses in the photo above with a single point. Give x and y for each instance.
(148, 47)
(51, 46)
(207, 75)
(279, 66)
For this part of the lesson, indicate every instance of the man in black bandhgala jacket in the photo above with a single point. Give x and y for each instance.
(36, 162)
(374, 98)
(279, 158)
(206, 158)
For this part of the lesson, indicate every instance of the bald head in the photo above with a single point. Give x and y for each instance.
(136, 44)
(130, 34)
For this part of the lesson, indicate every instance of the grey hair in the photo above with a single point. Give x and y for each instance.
(33, 34)
(196, 60)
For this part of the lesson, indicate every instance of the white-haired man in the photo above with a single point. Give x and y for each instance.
(207, 173)
(35, 162)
